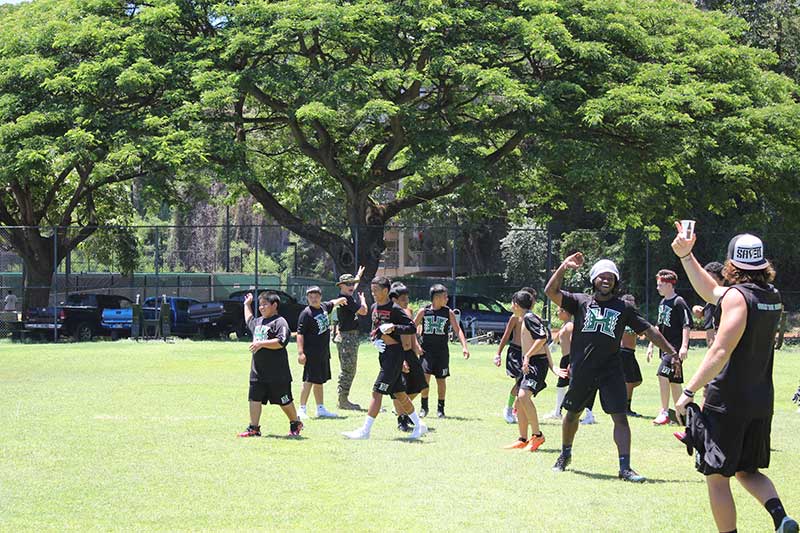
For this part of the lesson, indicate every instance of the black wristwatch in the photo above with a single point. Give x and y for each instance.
(688, 393)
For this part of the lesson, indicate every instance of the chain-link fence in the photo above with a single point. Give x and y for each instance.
(44, 271)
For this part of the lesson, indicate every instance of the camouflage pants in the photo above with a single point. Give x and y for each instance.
(348, 359)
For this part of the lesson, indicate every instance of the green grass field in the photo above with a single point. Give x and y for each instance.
(131, 436)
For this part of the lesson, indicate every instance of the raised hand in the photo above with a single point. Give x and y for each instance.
(681, 245)
(575, 261)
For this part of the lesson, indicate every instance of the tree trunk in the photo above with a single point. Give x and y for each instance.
(37, 283)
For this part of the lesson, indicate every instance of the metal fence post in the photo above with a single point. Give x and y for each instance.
(453, 270)
(647, 275)
(156, 266)
(548, 270)
(258, 238)
(55, 283)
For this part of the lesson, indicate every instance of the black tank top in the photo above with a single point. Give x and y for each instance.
(744, 386)
(435, 328)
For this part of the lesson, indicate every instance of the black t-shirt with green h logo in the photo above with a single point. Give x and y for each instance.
(435, 329)
(599, 326)
(673, 316)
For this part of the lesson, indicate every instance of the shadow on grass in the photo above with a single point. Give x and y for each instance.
(595, 475)
(408, 440)
(460, 418)
(286, 437)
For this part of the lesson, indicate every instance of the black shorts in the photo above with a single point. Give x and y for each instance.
(666, 370)
(390, 377)
(514, 361)
(630, 366)
(274, 393)
(534, 380)
(564, 363)
(317, 369)
(415, 378)
(586, 382)
(436, 363)
(744, 443)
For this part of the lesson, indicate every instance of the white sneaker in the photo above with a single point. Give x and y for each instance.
(358, 434)
(508, 415)
(554, 415)
(788, 525)
(662, 419)
(302, 414)
(324, 413)
(419, 430)
(588, 419)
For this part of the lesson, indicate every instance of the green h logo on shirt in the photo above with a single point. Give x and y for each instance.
(434, 325)
(604, 321)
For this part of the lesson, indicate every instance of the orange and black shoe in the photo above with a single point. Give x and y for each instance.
(518, 445)
(534, 443)
(251, 431)
(295, 427)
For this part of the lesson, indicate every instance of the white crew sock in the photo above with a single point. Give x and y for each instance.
(414, 418)
(368, 423)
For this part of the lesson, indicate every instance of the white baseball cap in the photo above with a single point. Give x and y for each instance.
(746, 252)
(601, 267)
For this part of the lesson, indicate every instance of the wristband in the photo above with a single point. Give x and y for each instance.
(688, 393)
(685, 256)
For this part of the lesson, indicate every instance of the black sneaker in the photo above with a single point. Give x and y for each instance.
(629, 474)
(440, 413)
(423, 412)
(402, 425)
(562, 463)
(409, 422)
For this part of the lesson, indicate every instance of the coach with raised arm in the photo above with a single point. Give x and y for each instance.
(737, 374)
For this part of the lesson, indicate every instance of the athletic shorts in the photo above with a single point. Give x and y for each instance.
(630, 366)
(415, 378)
(586, 382)
(274, 393)
(564, 363)
(436, 363)
(317, 369)
(743, 442)
(534, 380)
(390, 376)
(514, 361)
(674, 373)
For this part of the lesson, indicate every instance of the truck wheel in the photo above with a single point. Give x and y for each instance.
(83, 332)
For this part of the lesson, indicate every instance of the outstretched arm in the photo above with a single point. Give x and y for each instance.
(553, 287)
(658, 339)
(702, 282)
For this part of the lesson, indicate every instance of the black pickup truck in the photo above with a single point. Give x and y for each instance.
(78, 317)
(222, 317)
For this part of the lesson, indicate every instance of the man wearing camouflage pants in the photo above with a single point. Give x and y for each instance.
(347, 335)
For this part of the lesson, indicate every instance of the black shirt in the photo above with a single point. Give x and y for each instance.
(435, 329)
(598, 328)
(315, 327)
(347, 314)
(744, 386)
(533, 323)
(391, 313)
(709, 318)
(673, 316)
(270, 366)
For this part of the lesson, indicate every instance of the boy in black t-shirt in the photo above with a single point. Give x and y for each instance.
(389, 323)
(413, 375)
(313, 349)
(599, 323)
(674, 322)
(436, 320)
(270, 377)
(536, 360)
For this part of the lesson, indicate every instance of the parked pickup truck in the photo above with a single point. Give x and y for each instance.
(120, 321)
(222, 317)
(78, 317)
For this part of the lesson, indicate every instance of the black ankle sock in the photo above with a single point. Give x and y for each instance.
(566, 451)
(523, 439)
(440, 405)
(775, 509)
(293, 424)
(731, 531)
(425, 403)
(624, 462)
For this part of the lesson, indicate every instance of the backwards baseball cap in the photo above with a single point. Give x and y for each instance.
(746, 252)
(601, 267)
(313, 288)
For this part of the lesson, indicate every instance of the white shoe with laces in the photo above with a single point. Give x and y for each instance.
(324, 413)
(419, 431)
(302, 414)
(589, 418)
(508, 415)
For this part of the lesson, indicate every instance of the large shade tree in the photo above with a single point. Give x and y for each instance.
(84, 108)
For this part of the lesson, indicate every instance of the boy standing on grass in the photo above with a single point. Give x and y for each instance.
(436, 320)
(389, 322)
(563, 338)
(531, 380)
(270, 377)
(314, 349)
(674, 322)
(413, 375)
(627, 352)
